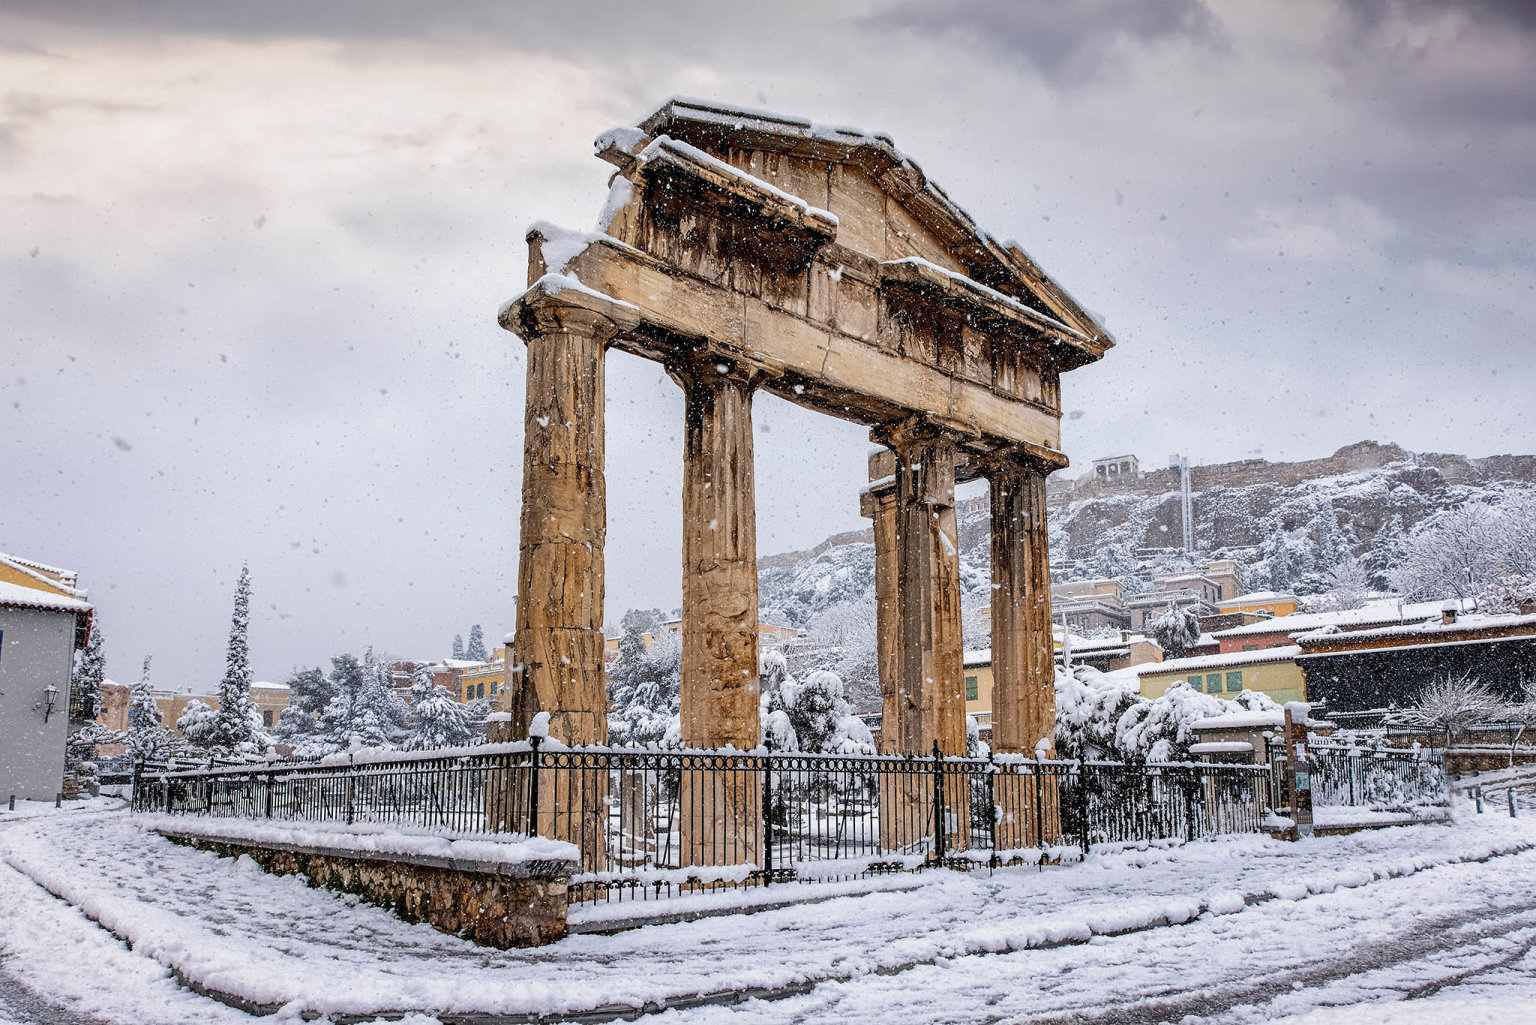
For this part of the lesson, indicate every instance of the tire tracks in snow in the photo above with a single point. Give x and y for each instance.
(1446, 934)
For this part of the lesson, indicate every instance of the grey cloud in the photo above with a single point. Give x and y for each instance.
(1057, 38)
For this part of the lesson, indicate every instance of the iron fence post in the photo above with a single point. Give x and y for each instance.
(271, 784)
(1191, 781)
(938, 804)
(138, 776)
(1082, 805)
(768, 813)
(351, 791)
(533, 787)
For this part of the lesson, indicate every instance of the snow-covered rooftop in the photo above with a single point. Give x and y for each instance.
(1428, 629)
(1376, 613)
(16, 595)
(1255, 597)
(1221, 747)
(1285, 653)
(1241, 720)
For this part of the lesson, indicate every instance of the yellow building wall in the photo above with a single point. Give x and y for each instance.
(1274, 608)
(1282, 681)
(978, 681)
(14, 576)
(487, 682)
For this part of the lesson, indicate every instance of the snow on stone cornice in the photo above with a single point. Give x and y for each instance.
(971, 284)
(554, 284)
(664, 143)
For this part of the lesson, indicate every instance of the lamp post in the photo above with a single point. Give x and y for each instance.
(51, 694)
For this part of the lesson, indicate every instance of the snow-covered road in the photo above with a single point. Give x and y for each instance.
(1235, 929)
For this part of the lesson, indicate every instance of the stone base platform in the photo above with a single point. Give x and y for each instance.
(490, 903)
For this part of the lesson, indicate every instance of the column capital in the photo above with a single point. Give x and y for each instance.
(918, 429)
(1012, 461)
(708, 365)
(557, 303)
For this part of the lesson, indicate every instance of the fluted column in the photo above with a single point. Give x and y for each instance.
(1023, 664)
(719, 706)
(929, 640)
(559, 640)
(1023, 669)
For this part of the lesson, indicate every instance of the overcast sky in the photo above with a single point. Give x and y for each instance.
(252, 255)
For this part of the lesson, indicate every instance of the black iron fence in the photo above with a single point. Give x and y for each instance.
(654, 822)
(1386, 779)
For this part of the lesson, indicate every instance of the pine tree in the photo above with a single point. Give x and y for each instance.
(85, 704)
(476, 651)
(146, 736)
(234, 730)
(309, 692)
(458, 647)
(438, 720)
(90, 669)
(365, 711)
(1176, 630)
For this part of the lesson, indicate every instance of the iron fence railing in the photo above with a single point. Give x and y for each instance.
(649, 822)
(1376, 777)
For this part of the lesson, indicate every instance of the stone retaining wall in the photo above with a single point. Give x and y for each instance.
(485, 905)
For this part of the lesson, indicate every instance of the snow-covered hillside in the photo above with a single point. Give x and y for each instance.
(1287, 536)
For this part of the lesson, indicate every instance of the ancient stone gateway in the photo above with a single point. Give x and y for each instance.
(747, 251)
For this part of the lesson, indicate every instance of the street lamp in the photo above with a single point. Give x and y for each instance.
(52, 693)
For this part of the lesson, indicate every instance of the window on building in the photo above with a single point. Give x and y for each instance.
(1234, 682)
(1250, 647)
(1213, 683)
(971, 690)
(1197, 682)
(479, 690)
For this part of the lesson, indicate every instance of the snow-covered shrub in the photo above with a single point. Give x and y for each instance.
(810, 715)
(1100, 715)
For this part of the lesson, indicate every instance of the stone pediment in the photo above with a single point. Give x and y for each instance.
(878, 200)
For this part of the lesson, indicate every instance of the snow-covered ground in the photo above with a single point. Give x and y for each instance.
(1332, 930)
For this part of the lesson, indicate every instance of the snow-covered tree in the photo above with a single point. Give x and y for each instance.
(147, 739)
(365, 711)
(475, 651)
(1161, 730)
(85, 696)
(199, 725)
(1349, 583)
(90, 668)
(1089, 705)
(1176, 630)
(1451, 704)
(811, 716)
(1471, 551)
(644, 684)
(437, 720)
(845, 635)
(235, 726)
(458, 647)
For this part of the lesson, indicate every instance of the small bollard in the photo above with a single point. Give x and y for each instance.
(13, 802)
(1477, 795)
(58, 799)
(1510, 793)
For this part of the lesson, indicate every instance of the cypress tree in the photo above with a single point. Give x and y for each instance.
(234, 730)
(476, 651)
